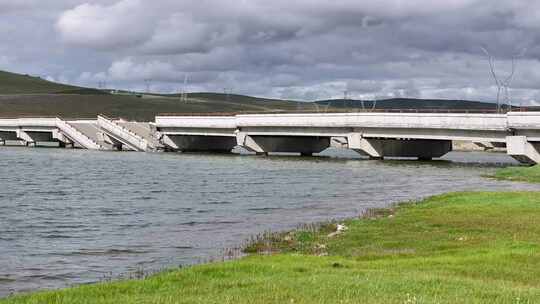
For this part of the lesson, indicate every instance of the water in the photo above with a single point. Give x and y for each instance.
(74, 216)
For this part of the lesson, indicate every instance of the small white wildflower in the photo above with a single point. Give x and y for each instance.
(341, 227)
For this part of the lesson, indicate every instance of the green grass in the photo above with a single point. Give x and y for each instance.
(131, 107)
(454, 248)
(521, 174)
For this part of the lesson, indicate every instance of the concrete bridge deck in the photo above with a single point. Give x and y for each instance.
(379, 135)
(376, 134)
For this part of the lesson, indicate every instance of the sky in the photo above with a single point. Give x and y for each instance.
(300, 49)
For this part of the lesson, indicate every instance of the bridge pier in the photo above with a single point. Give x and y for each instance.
(63, 141)
(523, 150)
(304, 145)
(423, 149)
(31, 138)
(196, 143)
(24, 137)
(66, 144)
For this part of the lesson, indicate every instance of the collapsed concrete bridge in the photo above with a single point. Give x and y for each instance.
(377, 135)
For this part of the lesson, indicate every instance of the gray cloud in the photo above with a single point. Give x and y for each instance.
(305, 49)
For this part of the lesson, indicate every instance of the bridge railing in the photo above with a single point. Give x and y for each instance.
(77, 136)
(123, 134)
(333, 111)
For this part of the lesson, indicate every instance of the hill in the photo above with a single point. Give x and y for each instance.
(23, 96)
(11, 83)
(132, 107)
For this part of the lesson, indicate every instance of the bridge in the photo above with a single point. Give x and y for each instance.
(377, 135)
(374, 134)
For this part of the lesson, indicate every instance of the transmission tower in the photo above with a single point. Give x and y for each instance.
(503, 86)
(148, 83)
(227, 92)
(184, 94)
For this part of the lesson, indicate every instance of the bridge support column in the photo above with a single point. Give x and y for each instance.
(304, 145)
(63, 141)
(66, 144)
(193, 143)
(25, 137)
(522, 150)
(380, 148)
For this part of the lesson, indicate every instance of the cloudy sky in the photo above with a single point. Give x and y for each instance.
(299, 49)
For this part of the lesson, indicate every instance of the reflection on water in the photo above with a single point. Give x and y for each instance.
(76, 216)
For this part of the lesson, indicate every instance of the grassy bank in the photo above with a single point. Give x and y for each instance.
(455, 248)
(520, 174)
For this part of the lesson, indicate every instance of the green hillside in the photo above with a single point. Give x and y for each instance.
(24, 96)
(131, 107)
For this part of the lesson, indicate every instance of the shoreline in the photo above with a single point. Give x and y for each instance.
(326, 240)
(308, 247)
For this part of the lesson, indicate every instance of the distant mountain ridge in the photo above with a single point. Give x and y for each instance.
(409, 103)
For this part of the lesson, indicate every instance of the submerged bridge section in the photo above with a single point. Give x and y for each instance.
(127, 135)
(99, 134)
(33, 131)
(73, 134)
(378, 135)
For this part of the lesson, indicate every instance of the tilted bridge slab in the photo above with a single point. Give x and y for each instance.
(127, 135)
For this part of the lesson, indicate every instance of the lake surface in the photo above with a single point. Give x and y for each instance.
(74, 216)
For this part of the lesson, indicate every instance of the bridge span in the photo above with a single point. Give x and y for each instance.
(377, 135)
